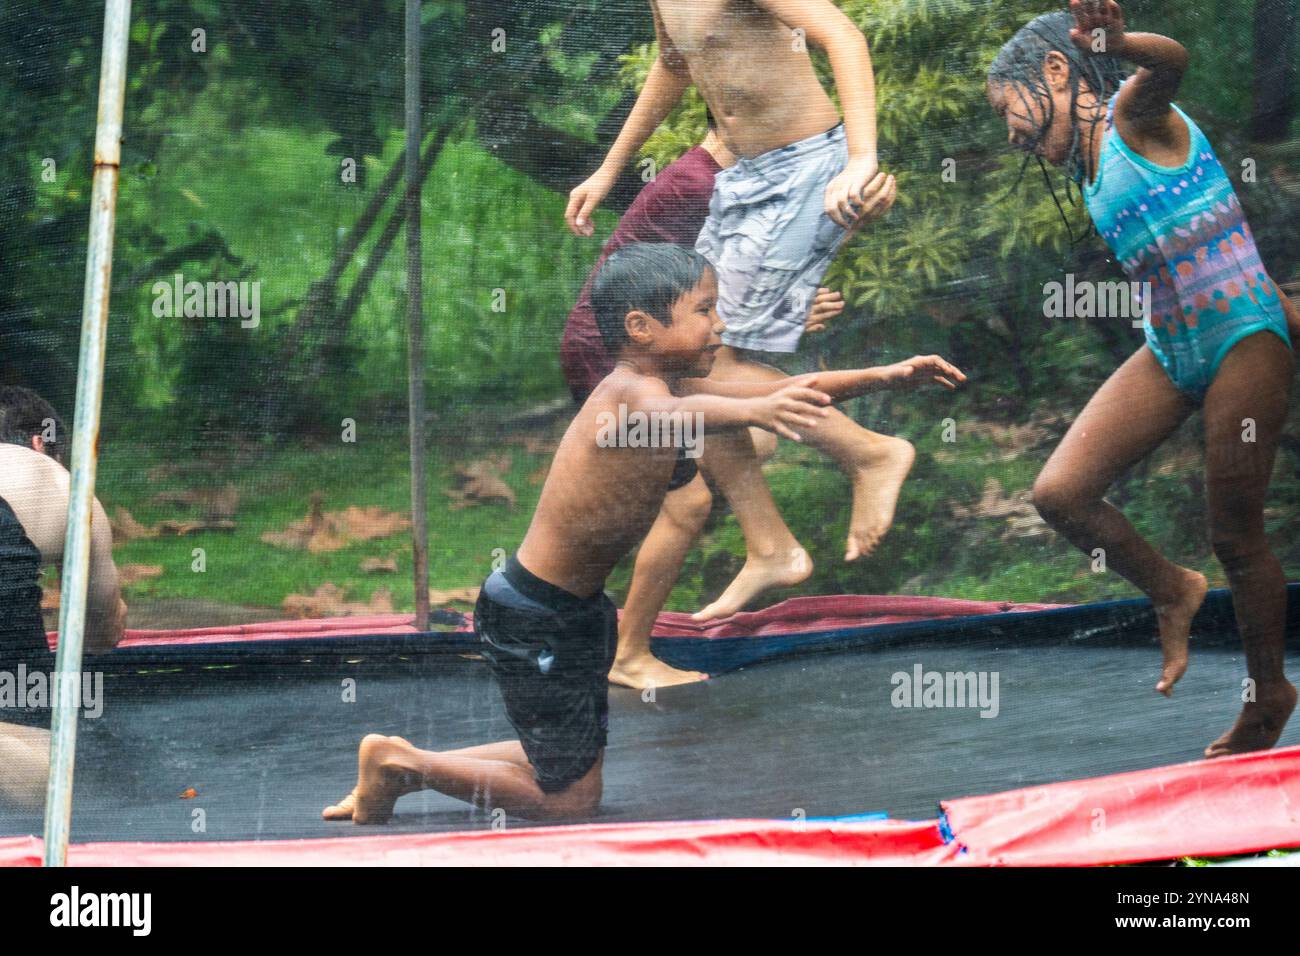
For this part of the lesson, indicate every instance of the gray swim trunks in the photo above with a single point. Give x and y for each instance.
(770, 242)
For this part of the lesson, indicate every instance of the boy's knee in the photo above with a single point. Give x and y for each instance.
(690, 506)
(764, 444)
(580, 799)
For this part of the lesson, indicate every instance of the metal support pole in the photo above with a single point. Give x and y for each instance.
(415, 318)
(85, 434)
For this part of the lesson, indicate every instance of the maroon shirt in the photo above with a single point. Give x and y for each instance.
(672, 208)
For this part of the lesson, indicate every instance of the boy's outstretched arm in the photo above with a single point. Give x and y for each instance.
(1161, 61)
(784, 407)
(861, 183)
(840, 386)
(913, 373)
(664, 86)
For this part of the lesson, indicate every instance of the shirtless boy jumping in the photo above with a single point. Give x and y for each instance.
(776, 221)
(545, 624)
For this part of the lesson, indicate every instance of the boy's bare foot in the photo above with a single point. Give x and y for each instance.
(1260, 724)
(782, 570)
(1175, 622)
(646, 670)
(379, 782)
(877, 479)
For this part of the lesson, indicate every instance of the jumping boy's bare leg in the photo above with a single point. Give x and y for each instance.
(876, 464)
(491, 776)
(1245, 411)
(24, 766)
(658, 563)
(774, 558)
(1130, 416)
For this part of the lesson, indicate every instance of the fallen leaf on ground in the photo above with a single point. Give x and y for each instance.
(217, 503)
(323, 531)
(453, 596)
(329, 601)
(1017, 511)
(126, 528)
(482, 481)
(131, 573)
(179, 529)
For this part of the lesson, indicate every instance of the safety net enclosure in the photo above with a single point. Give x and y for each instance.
(312, 414)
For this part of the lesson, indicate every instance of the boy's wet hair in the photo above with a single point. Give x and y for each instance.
(647, 277)
(1019, 68)
(24, 414)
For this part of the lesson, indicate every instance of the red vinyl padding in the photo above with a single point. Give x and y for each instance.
(1217, 807)
(794, 616)
(716, 843)
(1207, 808)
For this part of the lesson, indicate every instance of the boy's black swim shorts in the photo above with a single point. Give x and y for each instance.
(551, 652)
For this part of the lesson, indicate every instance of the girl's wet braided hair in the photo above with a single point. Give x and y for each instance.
(1019, 66)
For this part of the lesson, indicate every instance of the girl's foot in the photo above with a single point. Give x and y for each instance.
(1174, 617)
(877, 480)
(783, 570)
(1260, 724)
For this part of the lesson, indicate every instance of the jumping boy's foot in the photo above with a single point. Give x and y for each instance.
(379, 782)
(877, 479)
(782, 570)
(1174, 618)
(1260, 724)
(646, 670)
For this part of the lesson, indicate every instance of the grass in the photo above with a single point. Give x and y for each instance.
(929, 552)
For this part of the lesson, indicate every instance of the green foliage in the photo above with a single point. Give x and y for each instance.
(232, 163)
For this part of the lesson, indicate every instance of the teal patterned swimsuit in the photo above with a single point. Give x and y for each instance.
(1182, 230)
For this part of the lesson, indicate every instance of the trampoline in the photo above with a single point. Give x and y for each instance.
(238, 738)
(338, 245)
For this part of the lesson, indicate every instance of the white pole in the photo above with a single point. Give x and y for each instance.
(85, 434)
(415, 319)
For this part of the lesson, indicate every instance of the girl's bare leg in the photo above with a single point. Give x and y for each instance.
(1130, 416)
(490, 776)
(1245, 411)
(658, 563)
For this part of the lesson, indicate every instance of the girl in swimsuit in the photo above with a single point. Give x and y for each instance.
(1216, 330)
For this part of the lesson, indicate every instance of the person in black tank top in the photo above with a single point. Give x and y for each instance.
(22, 630)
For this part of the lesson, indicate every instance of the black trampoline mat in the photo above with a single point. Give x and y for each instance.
(817, 736)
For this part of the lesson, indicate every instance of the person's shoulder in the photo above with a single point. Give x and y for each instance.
(26, 468)
(624, 386)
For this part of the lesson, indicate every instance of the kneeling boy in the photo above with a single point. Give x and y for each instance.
(544, 622)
